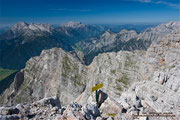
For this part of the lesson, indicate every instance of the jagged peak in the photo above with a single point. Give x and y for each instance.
(127, 31)
(168, 26)
(173, 23)
(42, 27)
(22, 23)
(108, 32)
(19, 25)
(124, 30)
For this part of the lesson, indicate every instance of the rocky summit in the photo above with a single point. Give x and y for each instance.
(137, 85)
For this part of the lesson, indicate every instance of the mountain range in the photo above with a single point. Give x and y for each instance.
(139, 72)
(125, 40)
(25, 40)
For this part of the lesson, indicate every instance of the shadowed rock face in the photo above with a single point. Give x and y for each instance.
(18, 80)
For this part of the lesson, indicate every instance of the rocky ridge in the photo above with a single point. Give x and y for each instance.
(156, 34)
(107, 41)
(68, 78)
(126, 40)
(27, 30)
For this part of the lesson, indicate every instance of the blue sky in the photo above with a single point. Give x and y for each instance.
(89, 11)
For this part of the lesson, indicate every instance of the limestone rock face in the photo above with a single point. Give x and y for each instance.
(109, 106)
(54, 73)
(57, 73)
(159, 90)
(78, 55)
(157, 33)
(117, 71)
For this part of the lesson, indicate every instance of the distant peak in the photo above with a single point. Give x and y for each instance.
(108, 31)
(73, 24)
(170, 24)
(23, 28)
(173, 23)
(21, 24)
(127, 31)
(24, 23)
(123, 31)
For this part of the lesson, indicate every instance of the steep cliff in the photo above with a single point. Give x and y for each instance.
(54, 72)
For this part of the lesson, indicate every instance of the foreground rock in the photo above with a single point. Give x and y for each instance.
(44, 109)
(50, 108)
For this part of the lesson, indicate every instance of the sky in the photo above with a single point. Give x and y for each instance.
(89, 11)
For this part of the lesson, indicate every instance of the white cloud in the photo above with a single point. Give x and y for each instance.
(66, 9)
(168, 3)
(145, 1)
(160, 2)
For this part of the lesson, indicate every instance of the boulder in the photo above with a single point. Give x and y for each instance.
(91, 111)
(110, 106)
(51, 101)
(73, 111)
(8, 110)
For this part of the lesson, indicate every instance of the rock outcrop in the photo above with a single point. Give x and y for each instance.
(157, 33)
(47, 108)
(55, 72)
(159, 91)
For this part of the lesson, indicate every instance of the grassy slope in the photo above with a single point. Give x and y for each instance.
(5, 73)
(6, 78)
